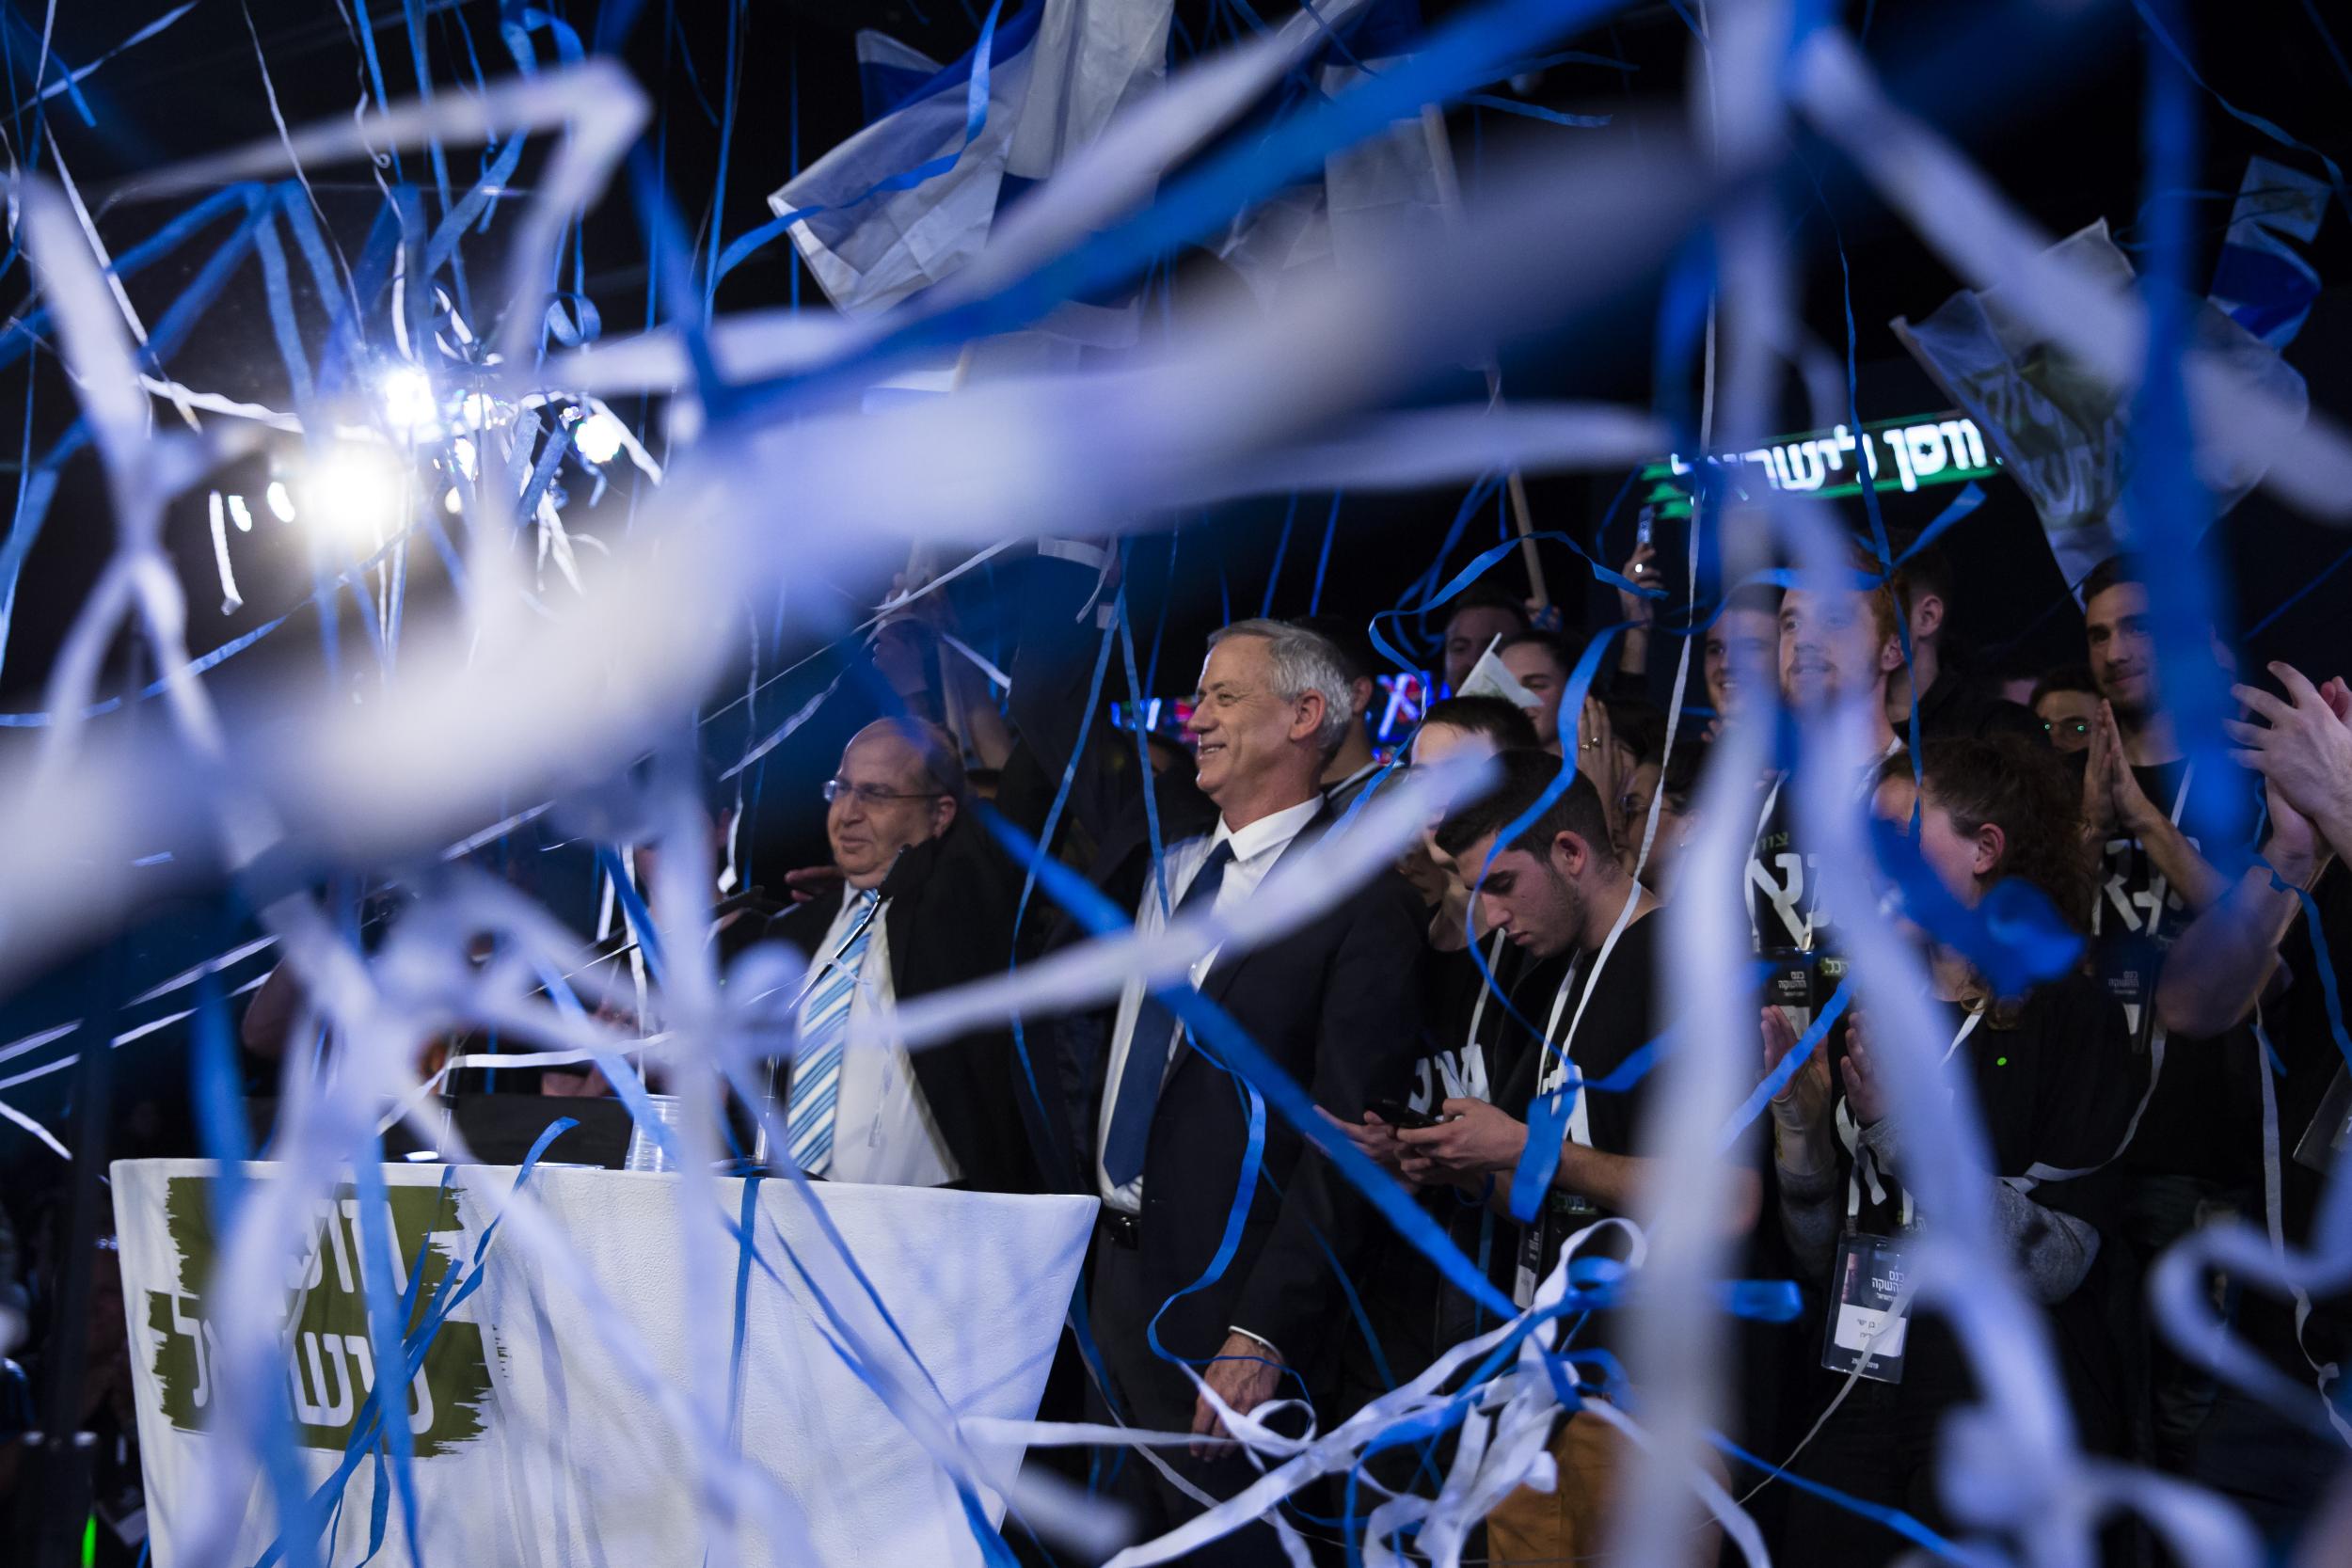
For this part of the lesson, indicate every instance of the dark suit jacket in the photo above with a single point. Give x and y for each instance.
(949, 920)
(1334, 1003)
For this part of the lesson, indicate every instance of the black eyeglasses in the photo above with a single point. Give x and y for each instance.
(872, 795)
(2067, 726)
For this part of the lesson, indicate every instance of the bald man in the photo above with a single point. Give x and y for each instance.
(927, 903)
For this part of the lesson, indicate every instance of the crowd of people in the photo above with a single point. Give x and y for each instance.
(2188, 1069)
(1516, 953)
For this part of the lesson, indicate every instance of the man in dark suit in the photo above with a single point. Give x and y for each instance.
(927, 903)
(1162, 1125)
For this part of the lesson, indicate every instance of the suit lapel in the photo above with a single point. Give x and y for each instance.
(1219, 979)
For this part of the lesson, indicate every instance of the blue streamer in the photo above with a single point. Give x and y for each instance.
(633, 910)
(1203, 1019)
(1323, 561)
(1789, 1066)
(1282, 548)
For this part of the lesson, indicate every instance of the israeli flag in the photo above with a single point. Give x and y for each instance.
(2263, 280)
(912, 197)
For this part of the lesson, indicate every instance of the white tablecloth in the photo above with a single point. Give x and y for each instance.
(535, 1447)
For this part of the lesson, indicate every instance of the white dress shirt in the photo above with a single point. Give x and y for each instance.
(883, 1131)
(1256, 848)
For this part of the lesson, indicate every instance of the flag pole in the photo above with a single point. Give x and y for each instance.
(1449, 205)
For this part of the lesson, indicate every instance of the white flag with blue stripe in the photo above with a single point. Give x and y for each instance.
(1054, 74)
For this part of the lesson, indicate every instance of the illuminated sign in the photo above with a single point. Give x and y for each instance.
(1894, 454)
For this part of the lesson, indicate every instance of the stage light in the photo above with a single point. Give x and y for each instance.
(451, 502)
(280, 502)
(356, 495)
(599, 437)
(410, 407)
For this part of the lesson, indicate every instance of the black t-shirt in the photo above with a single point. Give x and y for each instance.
(1619, 1005)
(1791, 925)
(2055, 1082)
(2137, 914)
(2135, 917)
(1618, 1001)
(2296, 1021)
(1620, 1018)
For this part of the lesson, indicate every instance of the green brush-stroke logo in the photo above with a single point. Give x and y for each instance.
(331, 1361)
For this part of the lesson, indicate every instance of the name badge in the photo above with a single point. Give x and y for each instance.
(1562, 1216)
(1790, 984)
(1864, 1332)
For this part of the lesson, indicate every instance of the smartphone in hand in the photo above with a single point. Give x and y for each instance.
(1397, 1113)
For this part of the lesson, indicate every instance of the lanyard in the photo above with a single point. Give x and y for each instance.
(2157, 885)
(1771, 799)
(1478, 1011)
(1579, 1113)
(1866, 1166)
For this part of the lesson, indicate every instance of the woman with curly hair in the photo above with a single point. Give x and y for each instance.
(2057, 1083)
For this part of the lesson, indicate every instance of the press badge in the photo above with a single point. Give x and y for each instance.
(1562, 1216)
(1864, 1332)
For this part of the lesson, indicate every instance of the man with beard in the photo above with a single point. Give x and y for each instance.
(2185, 1168)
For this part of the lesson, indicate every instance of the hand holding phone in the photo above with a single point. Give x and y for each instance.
(1397, 1113)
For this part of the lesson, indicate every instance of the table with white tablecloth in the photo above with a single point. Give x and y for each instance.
(535, 1442)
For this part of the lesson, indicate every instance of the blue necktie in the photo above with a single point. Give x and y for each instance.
(1151, 1044)
(824, 1027)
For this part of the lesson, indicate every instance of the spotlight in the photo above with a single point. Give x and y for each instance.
(409, 407)
(356, 495)
(280, 502)
(598, 439)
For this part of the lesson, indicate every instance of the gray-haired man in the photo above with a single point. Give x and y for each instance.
(1164, 1125)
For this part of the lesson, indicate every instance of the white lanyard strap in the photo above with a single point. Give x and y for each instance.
(1579, 1113)
(2159, 887)
(1486, 984)
(1771, 799)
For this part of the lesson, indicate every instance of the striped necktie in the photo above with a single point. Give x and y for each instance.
(824, 1025)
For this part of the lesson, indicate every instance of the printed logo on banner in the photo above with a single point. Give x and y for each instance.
(331, 1361)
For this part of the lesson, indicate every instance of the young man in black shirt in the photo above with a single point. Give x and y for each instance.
(1476, 1029)
(2135, 788)
(1555, 890)
(1836, 645)
(2186, 1166)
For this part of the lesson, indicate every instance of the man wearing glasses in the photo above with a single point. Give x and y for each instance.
(927, 903)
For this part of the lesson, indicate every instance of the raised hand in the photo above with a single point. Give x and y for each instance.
(2098, 784)
(1642, 567)
(2133, 809)
(1805, 1099)
(1865, 1095)
(2305, 749)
